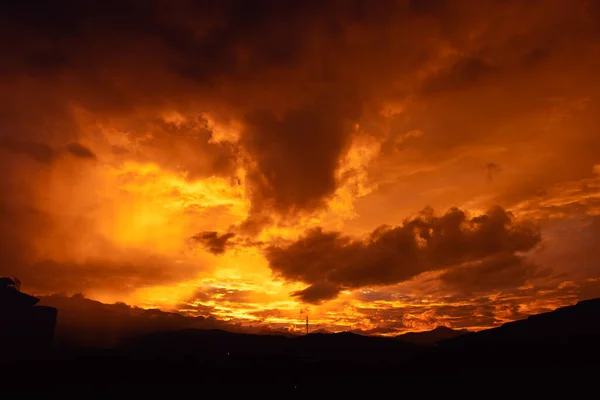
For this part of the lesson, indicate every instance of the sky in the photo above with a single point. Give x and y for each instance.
(379, 167)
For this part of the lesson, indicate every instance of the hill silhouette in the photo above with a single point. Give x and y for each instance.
(433, 336)
(552, 347)
(225, 346)
(555, 341)
(86, 323)
(577, 323)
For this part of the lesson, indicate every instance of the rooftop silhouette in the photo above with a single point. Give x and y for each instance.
(26, 329)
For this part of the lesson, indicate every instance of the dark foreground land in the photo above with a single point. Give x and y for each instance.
(552, 354)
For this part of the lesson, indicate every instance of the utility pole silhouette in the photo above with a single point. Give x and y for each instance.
(305, 311)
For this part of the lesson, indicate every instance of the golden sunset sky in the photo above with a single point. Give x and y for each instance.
(383, 166)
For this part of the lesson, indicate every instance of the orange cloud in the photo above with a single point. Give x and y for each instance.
(177, 155)
(330, 262)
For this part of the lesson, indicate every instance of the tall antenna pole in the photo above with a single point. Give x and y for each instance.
(307, 324)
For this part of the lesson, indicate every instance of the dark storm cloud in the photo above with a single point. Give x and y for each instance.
(268, 64)
(39, 152)
(115, 58)
(297, 75)
(330, 261)
(296, 155)
(42, 152)
(213, 242)
(318, 292)
(80, 151)
(498, 272)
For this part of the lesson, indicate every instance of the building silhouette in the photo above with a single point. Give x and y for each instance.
(26, 329)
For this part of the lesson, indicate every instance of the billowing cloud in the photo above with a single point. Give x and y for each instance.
(37, 151)
(318, 292)
(296, 156)
(139, 77)
(80, 151)
(505, 270)
(213, 242)
(128, 128)
(330, 261)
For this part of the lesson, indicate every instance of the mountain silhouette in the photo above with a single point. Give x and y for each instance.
(226, 346)
(539, 354)
(86, 323)
(556, 346)
(431, 337)
(572, 324)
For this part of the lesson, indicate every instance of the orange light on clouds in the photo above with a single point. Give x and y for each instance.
(158, 170)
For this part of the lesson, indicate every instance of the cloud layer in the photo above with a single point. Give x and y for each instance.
(148, 148)
(331, 262)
